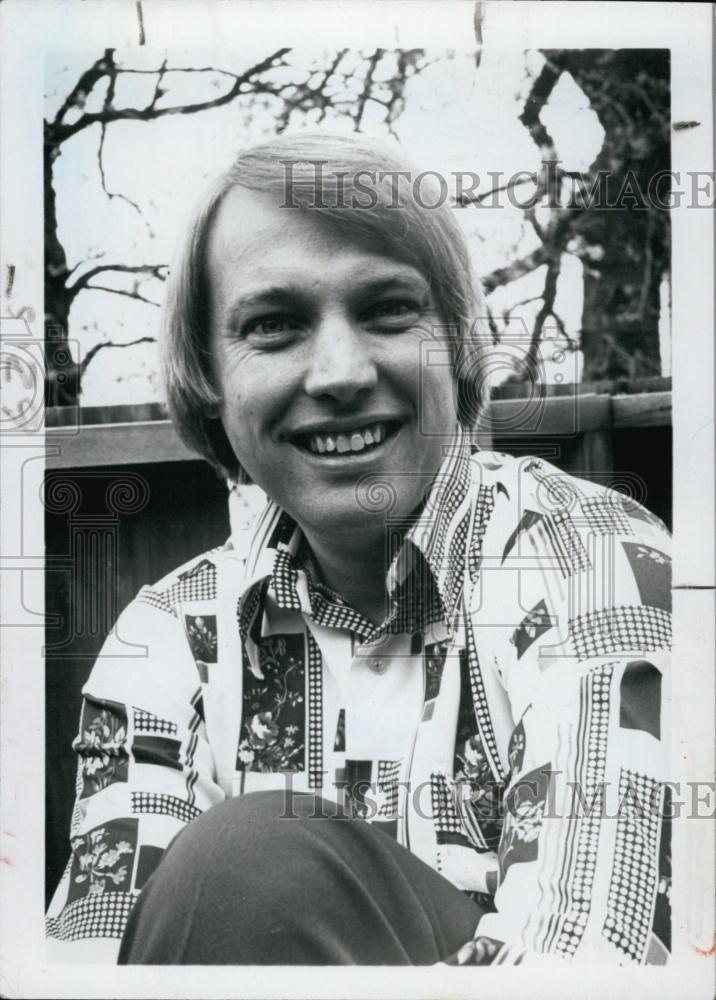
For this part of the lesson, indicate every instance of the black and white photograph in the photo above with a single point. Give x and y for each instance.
(357, 441)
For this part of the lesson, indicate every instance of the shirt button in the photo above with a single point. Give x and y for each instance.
(378, 666)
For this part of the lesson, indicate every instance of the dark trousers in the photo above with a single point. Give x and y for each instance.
(240, 885)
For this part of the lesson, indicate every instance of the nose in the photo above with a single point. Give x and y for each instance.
(342, 365)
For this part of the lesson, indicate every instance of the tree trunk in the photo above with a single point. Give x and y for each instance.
(620, 317)
(627, 246)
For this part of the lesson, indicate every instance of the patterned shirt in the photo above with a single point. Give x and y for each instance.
(505, 722)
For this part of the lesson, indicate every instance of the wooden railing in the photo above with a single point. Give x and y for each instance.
(142, 434)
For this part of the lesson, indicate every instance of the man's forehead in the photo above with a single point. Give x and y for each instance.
(254, 238)
(247, 221)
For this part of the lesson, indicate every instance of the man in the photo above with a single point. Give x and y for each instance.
(440, 670)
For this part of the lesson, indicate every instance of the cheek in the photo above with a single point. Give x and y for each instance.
(240, 407)
(438, 398)
(255, 391)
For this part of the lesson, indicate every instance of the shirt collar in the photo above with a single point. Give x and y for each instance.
(440, 533)
(437, 539)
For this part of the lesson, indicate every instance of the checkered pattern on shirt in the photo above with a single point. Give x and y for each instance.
(150, 723)
(557, 490)
(196, 585)
(633, 884)
(448, 493)
(617, 630)
(605, 515)
(388, 777)
(480, 705)
(456, 562)
(484, 505)
(327, 608)
(285, 578)
(315, 714)
(417, 602)
(329, 611)
(448, 827)
(98, 915)
(160, 804)
(156, 599)
(570, 541)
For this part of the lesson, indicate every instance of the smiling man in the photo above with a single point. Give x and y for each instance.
(316, 356)
(412, 713)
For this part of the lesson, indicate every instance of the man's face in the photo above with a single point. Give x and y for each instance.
(316, 352)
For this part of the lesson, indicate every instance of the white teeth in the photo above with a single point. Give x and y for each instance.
(343, 443)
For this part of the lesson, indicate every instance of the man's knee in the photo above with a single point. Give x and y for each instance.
(254, 821)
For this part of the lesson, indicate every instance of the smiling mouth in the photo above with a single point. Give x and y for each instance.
(331, 445)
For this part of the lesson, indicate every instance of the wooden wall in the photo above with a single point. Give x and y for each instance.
(97, 559)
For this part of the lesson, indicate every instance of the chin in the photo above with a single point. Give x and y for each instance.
(350, 518)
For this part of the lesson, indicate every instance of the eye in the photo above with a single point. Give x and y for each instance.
(275, 327)
(394, 313)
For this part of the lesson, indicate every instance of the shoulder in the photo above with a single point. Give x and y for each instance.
(194, 580)
(529, 485)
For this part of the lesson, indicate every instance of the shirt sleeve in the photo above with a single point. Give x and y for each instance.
(582, 576)
(145, 769)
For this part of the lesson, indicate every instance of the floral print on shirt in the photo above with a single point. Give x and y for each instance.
(102, 745)
(274, 713)
(524, 811)
(103, 859)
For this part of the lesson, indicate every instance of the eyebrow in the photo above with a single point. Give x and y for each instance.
(294, 295)
(273, 296)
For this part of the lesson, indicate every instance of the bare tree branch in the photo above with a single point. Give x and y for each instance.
(536, 100)
(517, 269)
(81, 90)
(367, 87)
(407, 60)
(531, 217)
(253, 83)
(547, 309)
(182, 69)
(571, 344)
(154, 270)
(508, 310)
(158, 89)
(151, 112)
(306, 97)
(110, 343)
(108, 99)
(134, 294)
(477, 199)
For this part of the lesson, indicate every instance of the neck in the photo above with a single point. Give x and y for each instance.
(355, 571)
